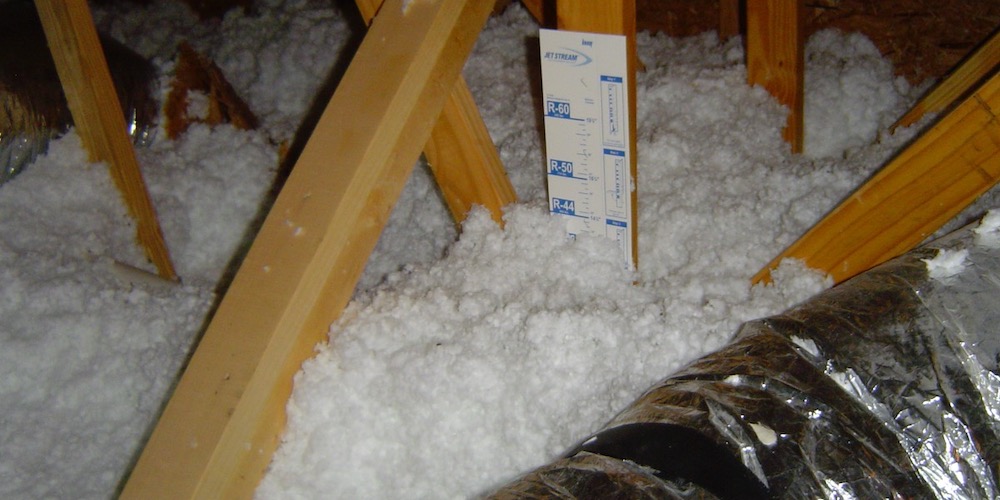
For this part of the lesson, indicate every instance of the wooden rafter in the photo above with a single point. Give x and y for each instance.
(220, 428)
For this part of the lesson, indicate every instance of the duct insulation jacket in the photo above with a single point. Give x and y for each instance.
(886, 386)
(33, 109)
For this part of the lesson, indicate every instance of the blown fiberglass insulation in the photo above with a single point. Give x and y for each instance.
(463, 361)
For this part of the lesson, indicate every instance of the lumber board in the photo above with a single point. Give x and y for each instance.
(220, 428)
(537, 9)
(613, 17)
(956, 83)
(729, 18)
(464, 161)
(98, 117)
(461, 153)
(775, 58)
(924, 186)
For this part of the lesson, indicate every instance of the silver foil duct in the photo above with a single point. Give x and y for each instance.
(886, 386)
(33, 109)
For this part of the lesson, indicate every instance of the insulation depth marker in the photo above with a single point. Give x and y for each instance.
(586, 116)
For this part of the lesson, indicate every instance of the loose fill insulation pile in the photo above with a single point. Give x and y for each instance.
(465, 360)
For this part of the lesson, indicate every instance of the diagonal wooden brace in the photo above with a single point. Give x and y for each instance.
(539, 9)
(926, 185)
(976, 66)
(460, 152)
(219, 430)
(97, 114)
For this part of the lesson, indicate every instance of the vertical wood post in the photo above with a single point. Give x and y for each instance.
(613, 17)
(775, 57)
(97, 114)
(729, 18)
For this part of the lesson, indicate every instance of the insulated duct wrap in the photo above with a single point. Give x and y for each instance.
(886, 386)
(33, 109)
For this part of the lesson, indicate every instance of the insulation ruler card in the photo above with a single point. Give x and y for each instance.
(586, 112)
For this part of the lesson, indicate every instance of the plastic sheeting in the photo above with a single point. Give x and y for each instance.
(886, 386)
(33, 109)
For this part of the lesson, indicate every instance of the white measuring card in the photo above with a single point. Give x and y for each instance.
(585, 85)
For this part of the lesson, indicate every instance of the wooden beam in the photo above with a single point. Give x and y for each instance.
(926, 185)
(729, 18)
(461, 153)
(775, 57)
(613, 17)
(464, 160)
(219, 430)
(957, 83)
(97, 115)
(537, 9)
